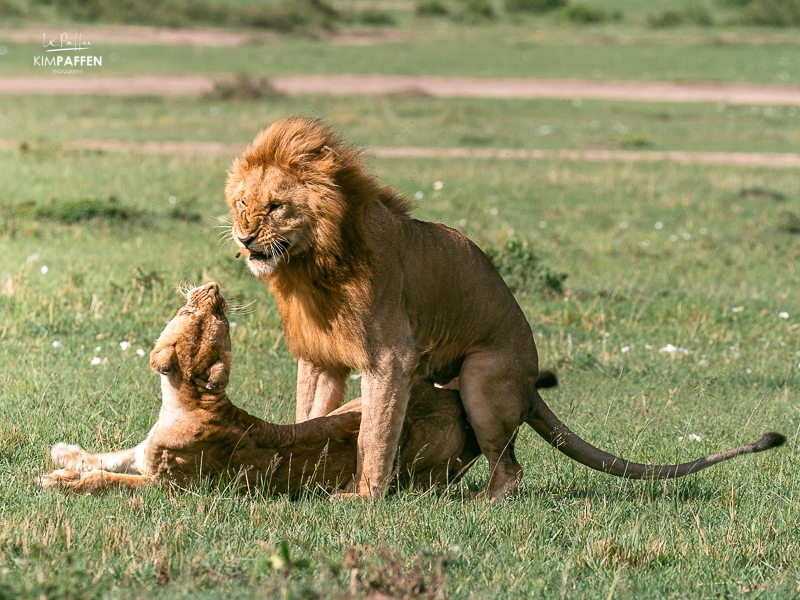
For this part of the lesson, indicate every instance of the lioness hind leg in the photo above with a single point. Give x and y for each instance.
(93, 482)
(76, 458)
(495, 404)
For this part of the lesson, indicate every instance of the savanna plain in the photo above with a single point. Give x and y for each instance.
(676, 332)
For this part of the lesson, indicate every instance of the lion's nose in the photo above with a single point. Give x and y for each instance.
(245, 239)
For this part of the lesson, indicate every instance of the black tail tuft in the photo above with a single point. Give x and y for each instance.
(546, 379)
(769, 440)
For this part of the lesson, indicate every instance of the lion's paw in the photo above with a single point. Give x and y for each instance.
(60, 478)
(71, 456)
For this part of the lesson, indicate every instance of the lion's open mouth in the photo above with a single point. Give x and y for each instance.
(276, 249)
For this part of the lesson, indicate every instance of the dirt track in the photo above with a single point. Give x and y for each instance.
(425, 86)
(726, 158)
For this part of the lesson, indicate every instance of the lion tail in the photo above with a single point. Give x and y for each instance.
(553, 431)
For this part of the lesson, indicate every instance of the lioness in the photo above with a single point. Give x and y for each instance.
(200, 432)
(362, 285)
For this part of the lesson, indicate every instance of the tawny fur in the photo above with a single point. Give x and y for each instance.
(361, 285)
(200, 433)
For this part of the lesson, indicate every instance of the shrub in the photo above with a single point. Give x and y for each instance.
(477, 10)
(75, 211)
(243, 88)
(698, 14)
(430, 8)
(521, 269)
(692, 12)
(533, 6)
(580, 13)
(666, 18)
(776, 13)
(375, 17)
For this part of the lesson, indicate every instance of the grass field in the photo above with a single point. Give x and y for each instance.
(399, 121)
(725, 242)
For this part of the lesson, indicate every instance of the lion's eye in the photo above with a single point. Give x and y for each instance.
(243, 201)
(273, 207)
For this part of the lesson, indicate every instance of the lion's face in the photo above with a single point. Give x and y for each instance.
(196, 343)
(272, 217)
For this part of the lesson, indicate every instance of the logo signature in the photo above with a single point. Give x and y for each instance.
(64, 44)
(67, 44)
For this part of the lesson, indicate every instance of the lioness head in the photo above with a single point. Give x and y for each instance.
(293, 192)
(196, 344)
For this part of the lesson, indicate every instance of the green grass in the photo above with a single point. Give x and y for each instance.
(569, 532)
(403, 121)
(500, 50)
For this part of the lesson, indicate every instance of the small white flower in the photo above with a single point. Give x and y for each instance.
(44, 269)
(694, 438)
(783, 315)
(355, 376)
(542, 224)
(97, 349)
(96, 360)
(233, 323)
(703, 231)
(659, 225)
(625, 349)
(419, 195)
(669, 348)
(607, 334)
(33, 257)
(748, 371)
(96, 316)
(462, 223)
(437, 185)
(737, 309)
(79, 317)
(140, 352)
(673, 238)
(702, 363)
(623, 225)
(493, 211)
(124, 345)
(57, 345)
(648, 347)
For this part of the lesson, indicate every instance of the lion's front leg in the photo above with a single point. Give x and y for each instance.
(319, 390)
(384, 402)
(76, 458)
(93, 482)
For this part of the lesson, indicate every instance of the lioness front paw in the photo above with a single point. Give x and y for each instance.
(60, 478)
(71, 456)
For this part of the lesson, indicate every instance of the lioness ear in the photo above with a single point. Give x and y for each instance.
(162, 359)
(218, 375)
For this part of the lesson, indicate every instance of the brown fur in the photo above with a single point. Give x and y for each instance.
(361, 285)
(200, 432)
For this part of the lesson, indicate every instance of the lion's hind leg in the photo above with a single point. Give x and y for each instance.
(494, 398)
(93, 482)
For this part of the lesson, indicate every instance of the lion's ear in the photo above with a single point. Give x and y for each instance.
(327, 156)
(162, 359)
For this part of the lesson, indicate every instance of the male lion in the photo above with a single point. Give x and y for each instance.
(200, 432)
(362, 285)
